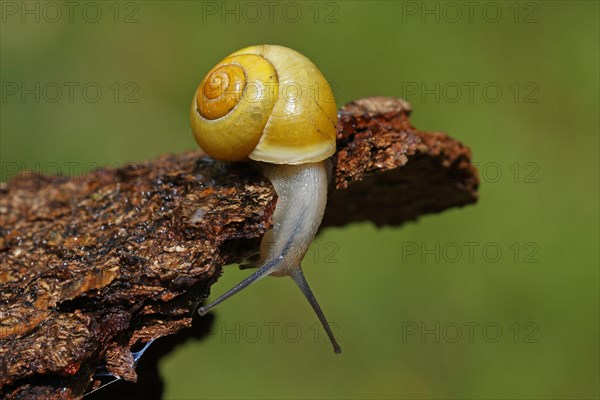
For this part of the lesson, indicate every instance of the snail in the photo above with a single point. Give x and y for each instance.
(271, 106)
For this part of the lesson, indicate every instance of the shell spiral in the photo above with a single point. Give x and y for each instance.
(267, 103)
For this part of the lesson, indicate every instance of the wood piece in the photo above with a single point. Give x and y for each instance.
(93, 265)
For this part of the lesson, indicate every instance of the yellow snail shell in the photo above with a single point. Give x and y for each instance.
(267, 103)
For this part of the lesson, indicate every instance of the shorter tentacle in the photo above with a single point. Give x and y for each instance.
(255, 276)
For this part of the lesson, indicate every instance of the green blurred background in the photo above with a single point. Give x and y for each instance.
(496, 300)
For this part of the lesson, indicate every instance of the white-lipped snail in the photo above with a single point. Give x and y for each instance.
(270, 104)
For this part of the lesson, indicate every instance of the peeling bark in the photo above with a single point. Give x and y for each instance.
(93, 265)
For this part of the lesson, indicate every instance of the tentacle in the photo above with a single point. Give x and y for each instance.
(256, 275)
(300, 280)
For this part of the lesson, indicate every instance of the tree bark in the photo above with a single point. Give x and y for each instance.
(93, 265)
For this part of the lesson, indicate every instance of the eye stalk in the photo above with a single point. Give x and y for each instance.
(243, 110)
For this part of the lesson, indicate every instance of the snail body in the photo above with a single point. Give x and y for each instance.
(272, 105)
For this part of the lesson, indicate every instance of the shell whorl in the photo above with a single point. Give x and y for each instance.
(221, 91)
(267, 103)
